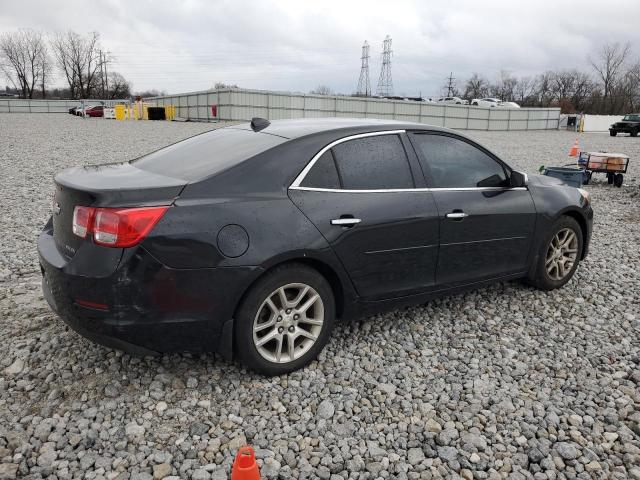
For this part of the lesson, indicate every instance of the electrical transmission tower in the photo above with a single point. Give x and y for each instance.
(364, 86)
(385, 83)
(451, 86)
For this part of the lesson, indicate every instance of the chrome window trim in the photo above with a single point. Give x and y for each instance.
(398, 190)
(301, 176)
(296, 183)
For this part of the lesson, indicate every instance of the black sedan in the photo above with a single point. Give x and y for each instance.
(251, 240)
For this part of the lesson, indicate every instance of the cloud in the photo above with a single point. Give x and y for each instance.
(295, 45)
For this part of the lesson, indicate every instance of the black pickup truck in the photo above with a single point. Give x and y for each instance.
(629, 124)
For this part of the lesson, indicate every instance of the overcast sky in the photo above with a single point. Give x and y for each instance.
(188, 45)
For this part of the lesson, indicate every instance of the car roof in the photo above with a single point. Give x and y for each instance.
(301, 127)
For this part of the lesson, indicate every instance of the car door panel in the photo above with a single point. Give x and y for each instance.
(493, 240)
(392, 251)
(492, 233)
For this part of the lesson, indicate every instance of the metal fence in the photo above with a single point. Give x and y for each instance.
(235, 104)
(14, 105)
(239, 105)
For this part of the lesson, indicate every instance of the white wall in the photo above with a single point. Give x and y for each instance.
(599, 123)
(242, 105)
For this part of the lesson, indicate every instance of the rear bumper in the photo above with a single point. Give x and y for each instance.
(144, 307)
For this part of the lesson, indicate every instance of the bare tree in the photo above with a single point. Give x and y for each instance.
(322, 90)
(505, 87)
(525, 90)
(24, 60)
(80, 60)
(476, 87)
(609, 66)
(544, 93)
(119, 87)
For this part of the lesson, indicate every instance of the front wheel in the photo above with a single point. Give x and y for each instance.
(559, 255)
(285, 320)
(613, 133)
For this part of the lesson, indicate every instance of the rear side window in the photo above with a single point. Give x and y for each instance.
(454, 163)
(207, 154)
(324, 173)
(373, 163)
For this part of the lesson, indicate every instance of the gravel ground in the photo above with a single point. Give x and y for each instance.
(501, 382)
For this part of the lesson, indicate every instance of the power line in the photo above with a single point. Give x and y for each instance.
(364, 86)
(385, 83)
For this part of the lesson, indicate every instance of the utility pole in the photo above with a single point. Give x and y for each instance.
(385, 83)
(106, 76)
(450, 84)
(364, 86)
(101, 72)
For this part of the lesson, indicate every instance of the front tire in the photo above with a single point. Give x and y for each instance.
(285, 320)
(613, 133)
(559, 255)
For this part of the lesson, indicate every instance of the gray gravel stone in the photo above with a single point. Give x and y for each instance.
(326, 409)
(494, 381)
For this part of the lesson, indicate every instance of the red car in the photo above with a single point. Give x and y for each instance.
(97, 111)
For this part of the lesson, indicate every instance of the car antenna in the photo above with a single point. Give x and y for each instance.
(258, 124)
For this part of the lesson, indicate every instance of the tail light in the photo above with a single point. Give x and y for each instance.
(116, 227)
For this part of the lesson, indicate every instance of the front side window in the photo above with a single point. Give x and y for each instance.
(373, 163)
(454, 163)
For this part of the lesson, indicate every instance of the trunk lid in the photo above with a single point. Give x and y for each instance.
(116, 185)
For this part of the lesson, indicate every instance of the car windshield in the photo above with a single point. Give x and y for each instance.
(207, 154)
(632, 118)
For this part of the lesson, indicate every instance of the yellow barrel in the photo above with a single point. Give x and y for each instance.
(120, 115)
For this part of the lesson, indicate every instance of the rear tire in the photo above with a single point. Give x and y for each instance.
(609, 178)
(276, 335)
(558, 255)
(613, 133)
(634, 132)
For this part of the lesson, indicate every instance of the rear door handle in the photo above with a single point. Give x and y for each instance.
(457, 215)
(345, 222)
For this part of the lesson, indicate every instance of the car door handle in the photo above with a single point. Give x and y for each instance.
(345, 222)
(457, 215)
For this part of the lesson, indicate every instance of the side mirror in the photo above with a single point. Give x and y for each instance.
(518, 179)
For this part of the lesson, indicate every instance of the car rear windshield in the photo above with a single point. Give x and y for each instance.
(632, 118)
(207, 154)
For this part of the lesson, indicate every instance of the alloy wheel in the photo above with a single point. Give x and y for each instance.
(288, 323)
(561, 254)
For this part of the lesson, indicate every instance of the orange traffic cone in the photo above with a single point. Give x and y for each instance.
(245, 466)
(574, 150)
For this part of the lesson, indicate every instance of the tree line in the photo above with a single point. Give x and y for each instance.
(28, 59)
(611, 87)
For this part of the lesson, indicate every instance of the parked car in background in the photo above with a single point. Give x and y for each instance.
(254, 251)
(453, 100)
(74, 110)
(82, 111)
(629, 124)
(508, 105)
(486, 102)
(95, 111)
